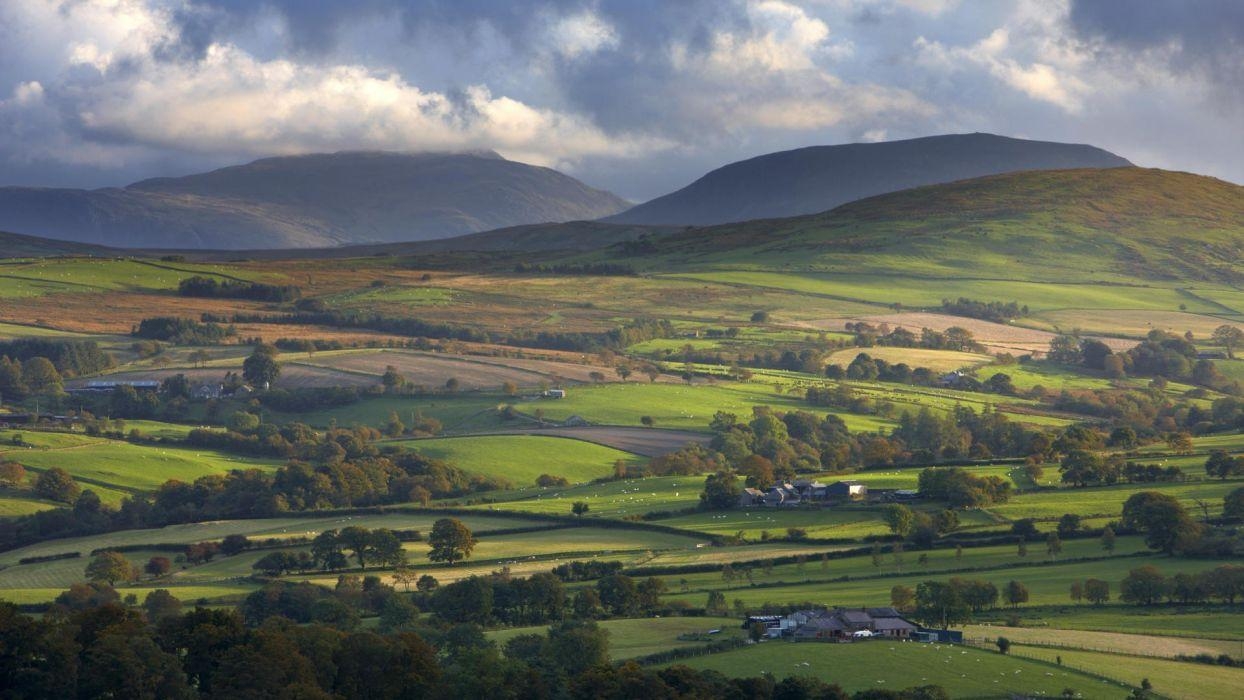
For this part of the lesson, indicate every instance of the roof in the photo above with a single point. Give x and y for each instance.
(884, 612)
(854, 617)
(892, 623)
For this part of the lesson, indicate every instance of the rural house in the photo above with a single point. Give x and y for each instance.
(842, 624)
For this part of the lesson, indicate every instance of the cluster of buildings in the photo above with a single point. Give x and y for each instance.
(849, 624)
(804, 491)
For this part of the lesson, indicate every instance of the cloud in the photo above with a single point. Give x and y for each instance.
(1201, 38)
(1040, 81)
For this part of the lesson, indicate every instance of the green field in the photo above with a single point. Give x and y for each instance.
(1047, 582)
(117, 465)
(891, 665)
(1174, 679)
(629, 639)
(519, 459)
(613, 499)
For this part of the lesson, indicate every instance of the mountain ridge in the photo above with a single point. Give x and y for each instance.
(310, 200)
(818, 178)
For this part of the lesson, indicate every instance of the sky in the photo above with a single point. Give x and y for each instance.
(639, 97)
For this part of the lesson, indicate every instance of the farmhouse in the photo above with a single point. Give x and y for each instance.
(782, 495)
(843, 624)
(752, 497)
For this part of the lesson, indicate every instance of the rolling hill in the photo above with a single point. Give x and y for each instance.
(818, 178)
(1115, 225)
(312, 200)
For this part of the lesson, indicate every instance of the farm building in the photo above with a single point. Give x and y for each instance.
(752, 497)
(97, 386)
(853, 490)
(841, 624)
(555, 394)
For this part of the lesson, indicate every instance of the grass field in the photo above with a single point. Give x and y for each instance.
(1174, 679)
(1047, 582)
(889, 665)
(521, 458)
(119, 464)
(607, 500)
(936, 360)
(632, 638)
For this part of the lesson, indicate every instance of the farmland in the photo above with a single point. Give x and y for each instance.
(646, 361)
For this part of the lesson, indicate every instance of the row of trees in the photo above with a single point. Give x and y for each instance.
(104, 649)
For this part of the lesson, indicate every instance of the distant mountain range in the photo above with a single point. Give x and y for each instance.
(310, 201)
(819, 178)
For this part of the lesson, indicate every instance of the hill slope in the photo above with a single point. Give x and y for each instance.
(314, 200)
(1115, 225)
(818, 178)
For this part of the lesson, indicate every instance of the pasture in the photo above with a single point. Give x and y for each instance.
(893, 665)
(519, 459)
(629, 639)
(1173, 679)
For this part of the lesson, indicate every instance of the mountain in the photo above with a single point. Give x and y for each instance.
(16, 245)
(818, 178)
(311, 200)
(1115, 225)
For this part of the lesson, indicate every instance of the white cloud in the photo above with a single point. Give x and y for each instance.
(1040, 81)
(580, 34)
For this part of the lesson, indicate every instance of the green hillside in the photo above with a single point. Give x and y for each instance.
(1117, 225)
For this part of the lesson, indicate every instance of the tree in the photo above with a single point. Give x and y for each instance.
(12, 474)
(450, 541)
(1107, 538)
(580, 508)
(1068, 525)
(384, 547)
(1064, 350)
(1163, 520)
(647, 421)
(261, 368)
(426, 583)
(1097, 591)
(358, 541)
(939, 603)
(1077, 591)
(452, 384)
(56, 484)
(1016, 593)
(392, 380)
(1053, 545)
(394, 427)
(899, 518)
(199, 357)
(1004, 645)
(40, 377)
(1143, 585)
(234, 544)
(1229, 337)
(158, 566)
(160, 604)
(721, 491)
(1233, 504)
(110, 567)
(902, 597)
(1222, 465)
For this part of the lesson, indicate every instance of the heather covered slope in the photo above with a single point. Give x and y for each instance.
(814, 179)
(314, 200)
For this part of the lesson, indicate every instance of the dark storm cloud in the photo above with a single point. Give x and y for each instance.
(1205, 37)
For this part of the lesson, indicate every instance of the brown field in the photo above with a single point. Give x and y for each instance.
(1113, 642)
(1129, 322)
(293, 376)
(472, 371)
(997, 337)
